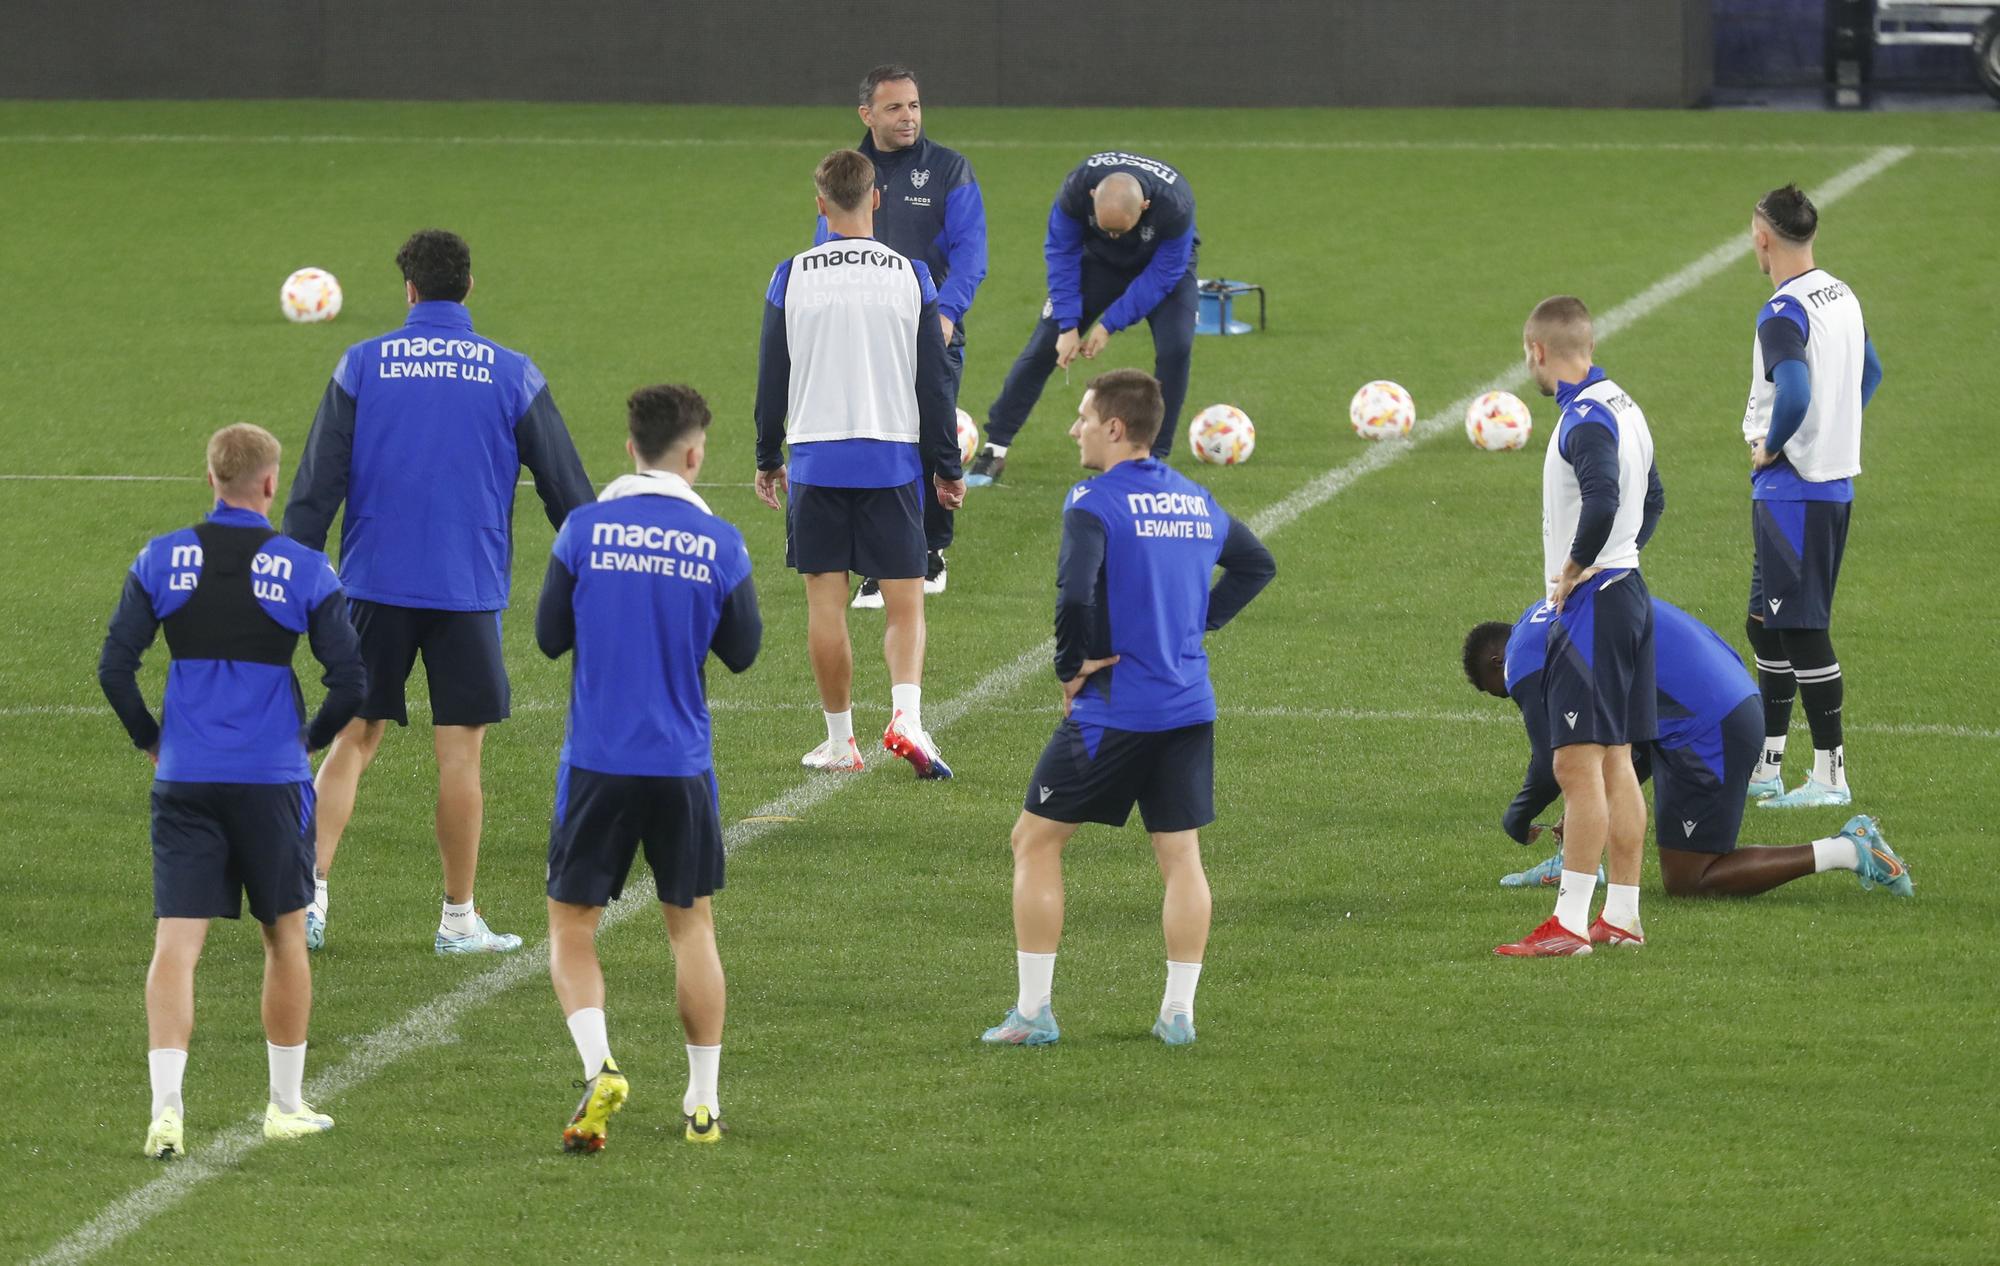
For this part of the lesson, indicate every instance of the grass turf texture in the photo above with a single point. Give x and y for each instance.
(1801, 1076)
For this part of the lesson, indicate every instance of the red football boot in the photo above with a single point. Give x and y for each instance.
(1602, 933)
(1550, 940)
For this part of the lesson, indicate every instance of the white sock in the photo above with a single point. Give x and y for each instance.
(1621, 906)
(908, 700)
(1838, 853)
(704, 1063)
(166, 1066)
(999, 450)
(1037, 974)
(839, 726)
(1181, 980)
(288, 1073)
(457, 920)
(593, 1043)
(1772, 763)
(1573, 900)
(319, 897)
(1830, 766)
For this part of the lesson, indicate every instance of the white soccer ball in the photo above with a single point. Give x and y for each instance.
(1381, 410)
(309, 295)
(1222, 435)
(968, 436)
(1498, 422)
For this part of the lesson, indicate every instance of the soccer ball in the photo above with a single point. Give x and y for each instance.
(1222, 435)
(308, 295)
(968, 436)
(1497, 422)
(1382, 409)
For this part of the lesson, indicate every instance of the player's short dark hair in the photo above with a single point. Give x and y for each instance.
(844, 178)
(1790, 213)
(888, 73)
(663, 416)
(1562, 323)
(1483, 643)
(438, 263)
(1133, 397)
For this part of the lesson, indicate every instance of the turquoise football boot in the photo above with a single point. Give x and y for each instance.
(1768, 788)
(481, 940)
(1881, 866)
(1546, 874)
(1811, 794)
(1016, 1030)
(1177, 1030)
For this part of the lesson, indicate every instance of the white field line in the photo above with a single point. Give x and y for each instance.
(1386, 145)
(426, 1025)
(1276, 712)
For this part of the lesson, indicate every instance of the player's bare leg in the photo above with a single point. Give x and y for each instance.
(832, 657)
(169, 1026)
(1184, 918)
(1625, 844)
(700, 991)
(1743, 873)
(334, 791)
(579, 983)
(461, 806)
(287, 1013)
(573, 967)
(1580, 772)
(1038, 923)
(903, 636)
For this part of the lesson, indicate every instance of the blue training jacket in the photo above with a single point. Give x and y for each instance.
(1156, 254)
(423, 433)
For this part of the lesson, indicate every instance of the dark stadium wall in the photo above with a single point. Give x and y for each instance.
(989, 52)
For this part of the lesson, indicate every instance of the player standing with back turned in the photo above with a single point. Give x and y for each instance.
(1813, 371)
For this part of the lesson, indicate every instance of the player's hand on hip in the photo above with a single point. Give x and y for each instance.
(1094, 342)
(153, 754)
(949, 329)
(1067, 344)
(770, 485)
(1565, 581)
(1074, 686)
(1760, 456)
(950, 492)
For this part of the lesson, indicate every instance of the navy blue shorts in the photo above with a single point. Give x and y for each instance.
(216, 842)
(601, 820)
(876, 532)
(1599, 673)
(1797, 561)
(1699, 790)
(1089, 773)
(461, 650)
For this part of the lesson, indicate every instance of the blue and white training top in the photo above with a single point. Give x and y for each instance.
(1156, 254)
(423, 433)
(643, 584)
(1601, 494)
(234, 596)
(1139, 544)
(932, 213)
(851, 370)
(1811, 416)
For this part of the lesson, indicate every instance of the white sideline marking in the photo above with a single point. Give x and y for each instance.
(430, 1023)
(976, 143)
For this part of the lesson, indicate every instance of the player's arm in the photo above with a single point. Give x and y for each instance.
(549, 453)
(740, 632)
(1168, 265)
(1246, 568)
(330, 633)
(320, 483)
(1079, 587)
(1781, 336)
(937, 416)
(1063, 252)
(964, 249)
(132, 629)
(1539, 787)
(555, 612)
(1871, 371)
(1656, 504)
(774, 374)
(1591, 448)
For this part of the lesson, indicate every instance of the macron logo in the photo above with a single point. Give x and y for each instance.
(1079, 495)
(1045, 794)
(1687, 828)
(1571, 718)
(1775, 603)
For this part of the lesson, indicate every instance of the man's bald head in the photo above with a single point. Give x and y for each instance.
(1120, 200)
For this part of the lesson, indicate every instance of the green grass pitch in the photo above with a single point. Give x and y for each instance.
(1804, 1076)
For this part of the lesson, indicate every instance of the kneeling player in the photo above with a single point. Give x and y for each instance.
(643, 585)
(233, 799)
(1138, 546)
(1710, 737)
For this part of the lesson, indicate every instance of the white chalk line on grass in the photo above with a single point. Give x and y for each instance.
(434, 1021)
(1359, 146)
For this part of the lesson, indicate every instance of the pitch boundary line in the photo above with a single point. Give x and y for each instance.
(434, 1022)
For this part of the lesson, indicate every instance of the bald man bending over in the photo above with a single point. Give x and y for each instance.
(1120, 250)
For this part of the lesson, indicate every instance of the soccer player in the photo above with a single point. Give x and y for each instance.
(930, 209)
(1710, 735)
(642, 586)
(1813, 370)
(1601, 499)
(1139, 543)
(852, 376)
(423, 432)
(233, 795)
(1120, 249)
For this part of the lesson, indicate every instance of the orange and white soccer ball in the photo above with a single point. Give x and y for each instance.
(1498, 422)
(1382, 410)
(309, 295)
(1222, 435)
(968, 436)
